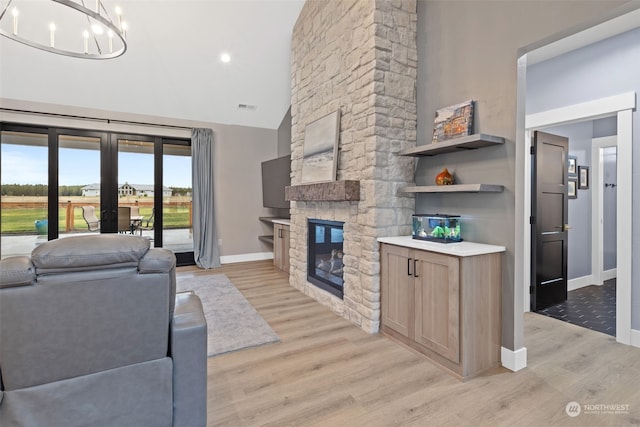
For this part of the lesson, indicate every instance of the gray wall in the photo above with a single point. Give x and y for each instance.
(468, 50)
(604, 69)
(284, 135)
(240, 150)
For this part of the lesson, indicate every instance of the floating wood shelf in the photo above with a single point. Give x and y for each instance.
(464, 143)
(333, 191)
(457, 188)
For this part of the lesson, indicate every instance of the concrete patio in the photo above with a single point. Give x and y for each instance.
(176, 240)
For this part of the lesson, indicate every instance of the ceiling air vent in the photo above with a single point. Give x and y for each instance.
(247, 107)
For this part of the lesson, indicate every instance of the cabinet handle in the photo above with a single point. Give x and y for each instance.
(408, 266)
(415, 268)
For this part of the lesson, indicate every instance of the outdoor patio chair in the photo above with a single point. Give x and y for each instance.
(124, 219)
(136, 224)
(89, 215)
(149, 223)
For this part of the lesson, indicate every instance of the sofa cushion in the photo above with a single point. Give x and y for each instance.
(79, 253)
(16, 271)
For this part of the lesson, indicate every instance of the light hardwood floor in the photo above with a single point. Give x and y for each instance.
(328, 372)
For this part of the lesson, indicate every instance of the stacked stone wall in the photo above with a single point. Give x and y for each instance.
(358, 56)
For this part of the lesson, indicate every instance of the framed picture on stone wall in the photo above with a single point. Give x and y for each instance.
(453, 122)
(320, 149)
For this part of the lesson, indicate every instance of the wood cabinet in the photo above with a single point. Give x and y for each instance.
(281, 246)
(446, 307)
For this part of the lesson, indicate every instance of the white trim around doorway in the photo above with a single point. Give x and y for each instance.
(622, 106)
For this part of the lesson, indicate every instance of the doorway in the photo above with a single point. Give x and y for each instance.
(604, 155)
(621, 107)
(591, 298)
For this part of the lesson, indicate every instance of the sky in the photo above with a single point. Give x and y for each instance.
(23, 164)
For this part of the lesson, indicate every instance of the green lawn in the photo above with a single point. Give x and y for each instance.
(22, 220)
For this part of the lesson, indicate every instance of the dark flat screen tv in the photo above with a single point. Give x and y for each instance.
(276, 174)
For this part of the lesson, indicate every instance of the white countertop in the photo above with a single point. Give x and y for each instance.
(456, 249)
(282, 221)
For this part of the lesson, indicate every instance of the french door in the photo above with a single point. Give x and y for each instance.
(59, 182)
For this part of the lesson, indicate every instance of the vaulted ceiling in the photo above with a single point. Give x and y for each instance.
(172, 67)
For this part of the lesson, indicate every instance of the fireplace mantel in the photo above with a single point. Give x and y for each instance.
(333, 191)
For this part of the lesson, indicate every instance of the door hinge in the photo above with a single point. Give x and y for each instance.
(532, 150)
(531, 289)
(532, 220)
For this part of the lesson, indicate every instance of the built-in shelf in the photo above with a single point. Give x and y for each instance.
(464, 143)
(266, 239)
(456, 188)
(272, 219)
(332, 191)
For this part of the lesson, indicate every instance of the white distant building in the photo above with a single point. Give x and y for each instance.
(127, 189)
(91, 190)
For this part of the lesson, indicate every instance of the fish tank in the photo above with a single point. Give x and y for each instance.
(437, 228)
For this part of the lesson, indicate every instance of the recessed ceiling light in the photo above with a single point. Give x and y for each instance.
(225, 58)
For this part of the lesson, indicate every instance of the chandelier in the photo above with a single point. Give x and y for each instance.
(65, 27)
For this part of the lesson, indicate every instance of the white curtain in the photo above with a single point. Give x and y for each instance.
(205, 236)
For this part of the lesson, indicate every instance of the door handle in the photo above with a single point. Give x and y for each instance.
(415, 268)
(408, 266)
(567, 227)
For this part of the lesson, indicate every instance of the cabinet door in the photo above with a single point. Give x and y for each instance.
(437, 302)
(285, 248)
(277, 245)
(396, 285)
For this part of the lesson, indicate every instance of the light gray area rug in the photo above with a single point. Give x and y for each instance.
(232, 323)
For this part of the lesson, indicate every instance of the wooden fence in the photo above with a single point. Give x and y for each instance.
(70, 207)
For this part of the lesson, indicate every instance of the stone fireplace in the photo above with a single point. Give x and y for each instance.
(360, 57)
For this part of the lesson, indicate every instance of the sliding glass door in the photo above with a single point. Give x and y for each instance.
(24, 172)
(61, 182)
(136, 184)
(177, 232)
(78, 183)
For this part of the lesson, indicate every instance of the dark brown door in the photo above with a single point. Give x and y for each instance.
(549, 238)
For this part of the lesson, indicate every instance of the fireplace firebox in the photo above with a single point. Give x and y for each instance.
(325, 254)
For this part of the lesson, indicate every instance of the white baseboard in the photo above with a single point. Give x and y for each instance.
(257, 256)
(580, 282)
(610, 274)
(514, 360)
(635, 338)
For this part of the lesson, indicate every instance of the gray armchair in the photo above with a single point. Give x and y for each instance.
(92, 334)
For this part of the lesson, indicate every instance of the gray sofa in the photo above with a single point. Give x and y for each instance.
(93, 334)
